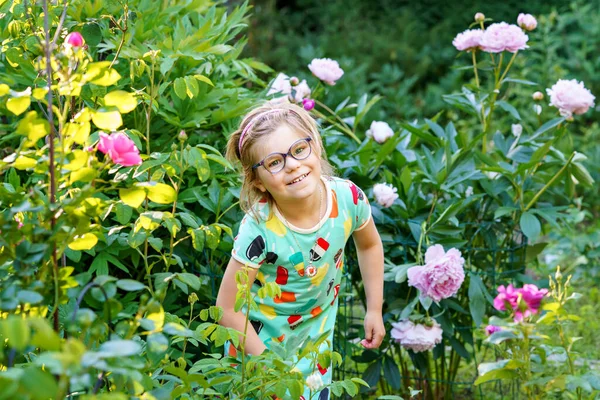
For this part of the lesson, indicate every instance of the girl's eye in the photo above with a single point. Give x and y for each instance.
(299, 150)
(273, 163)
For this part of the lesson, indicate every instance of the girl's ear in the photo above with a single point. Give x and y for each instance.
(258, 184)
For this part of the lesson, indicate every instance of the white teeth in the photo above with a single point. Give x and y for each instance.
(298, 179)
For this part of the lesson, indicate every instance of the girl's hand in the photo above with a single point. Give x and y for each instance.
(374, 330)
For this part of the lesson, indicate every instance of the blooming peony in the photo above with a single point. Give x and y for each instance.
(506, 295)
(74, 39)
(416, 337)
(380, 131)
(314, 381)
(527, 21)
(326, 69)
(570, 97)
(301, 91)
(492, 329)
(468, 40)
(120, 148)
(532, 296)
(442, 274)
(385, 194)
(281, 84)
(501, 37)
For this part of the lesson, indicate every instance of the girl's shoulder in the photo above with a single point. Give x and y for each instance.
(345, 188)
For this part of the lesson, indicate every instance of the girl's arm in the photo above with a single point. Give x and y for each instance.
(237, 320)
(370, 260)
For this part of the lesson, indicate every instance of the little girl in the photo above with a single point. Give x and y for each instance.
(298, 220)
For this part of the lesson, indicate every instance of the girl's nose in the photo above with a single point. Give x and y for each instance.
(291, 163)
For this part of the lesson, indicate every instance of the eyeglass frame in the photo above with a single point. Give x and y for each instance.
(285, 155)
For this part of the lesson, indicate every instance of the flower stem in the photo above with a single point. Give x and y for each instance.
(475, 69)
(550, 182)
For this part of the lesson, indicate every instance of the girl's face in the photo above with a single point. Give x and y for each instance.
(298, 179)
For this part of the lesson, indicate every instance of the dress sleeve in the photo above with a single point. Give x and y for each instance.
(249, 247)
(360, 209)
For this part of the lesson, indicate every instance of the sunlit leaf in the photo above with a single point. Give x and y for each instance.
(86, 174)
(161, 193)
(133, 197)
(107, 119)
(18, 105)
(23, 162)
(84, 242)
(4, 89)
(124, 101)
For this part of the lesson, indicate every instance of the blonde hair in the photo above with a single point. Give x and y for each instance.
(262, 121)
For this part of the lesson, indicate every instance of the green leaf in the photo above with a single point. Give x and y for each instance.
(497, 374)
(509, 108)
(204, 79)
(120, 348)
(85, 174)
(18, 105)
(391, 373)
(16, 331)
(180, 88)
(546, 127)
(130, 285)
(133, 197)
(123, 213)
(39, 384)
(477, 303)
(530, 225)
(189, 279)
(83, 242)
(107, 119)
(198, 238)
(44, 336)
(124, 101)
(29, 297)
(372, 373)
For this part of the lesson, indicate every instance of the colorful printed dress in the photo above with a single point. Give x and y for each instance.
(309, 277)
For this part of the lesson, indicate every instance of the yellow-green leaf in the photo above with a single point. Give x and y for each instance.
(16, 331)
(83, 242)
(204, 79)
(44, 336)
(18, 105)
(84, 115)
(121, 99)
(40, 93)
(77, 132)
(86, 174)
(23, 162)
(79, 159)
(4, 89)
(106, 119)
(106, 78)
(161, 193)
(33, 127)
(132, 197)
(146, 223)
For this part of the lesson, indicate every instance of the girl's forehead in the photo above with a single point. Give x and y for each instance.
(278, 141)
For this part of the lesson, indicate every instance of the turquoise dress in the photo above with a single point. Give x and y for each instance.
(309, 276)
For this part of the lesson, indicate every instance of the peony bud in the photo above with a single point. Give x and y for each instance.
(294, 80)
(182, 136)
(527, 22)
(74, 39)
(538, 96)
(516, 129)
(308, 104)
(479, 17)
(558, 275)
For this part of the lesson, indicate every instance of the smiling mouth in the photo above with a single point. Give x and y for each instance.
(298, 179)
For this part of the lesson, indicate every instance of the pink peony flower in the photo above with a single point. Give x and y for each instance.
(468, 40)
(416, 337)
(75, 39)
(385, 194)
(301, 91)
(527, 21)
(380, 131)
(120, 148)
(281, 84)
(532, 296)
(326, 69)
(506, 295)
(570, 97)
(501, 37)
(442, 274)
(308, 104)
(492, 329)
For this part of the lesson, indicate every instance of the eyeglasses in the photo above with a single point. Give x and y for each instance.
(275, 162)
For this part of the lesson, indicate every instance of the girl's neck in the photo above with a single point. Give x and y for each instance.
(306, 213)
